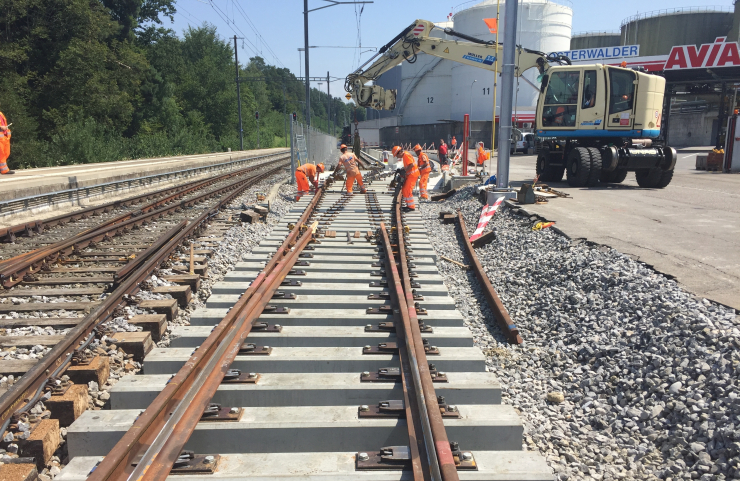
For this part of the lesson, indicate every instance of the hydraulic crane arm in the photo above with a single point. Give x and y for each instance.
(415, 39)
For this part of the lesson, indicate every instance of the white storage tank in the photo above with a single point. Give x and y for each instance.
(542, 25)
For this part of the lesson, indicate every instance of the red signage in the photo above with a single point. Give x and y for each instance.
(709, 55)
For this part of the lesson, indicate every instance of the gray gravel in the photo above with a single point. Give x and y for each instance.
(642, 375)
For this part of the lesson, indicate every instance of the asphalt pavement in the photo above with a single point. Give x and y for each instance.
(690, 230)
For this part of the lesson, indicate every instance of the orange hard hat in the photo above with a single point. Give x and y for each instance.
(342, 147)
(417, 148)
(320, 167)
(395, 150)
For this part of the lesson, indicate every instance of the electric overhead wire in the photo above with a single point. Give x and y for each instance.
(217, 10)
(257, 32)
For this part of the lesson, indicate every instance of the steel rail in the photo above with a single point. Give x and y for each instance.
(155, 440)
(494, 301)
(442, 450)
(21, 396)
(12, 274)
(174, 193)
(422, 468)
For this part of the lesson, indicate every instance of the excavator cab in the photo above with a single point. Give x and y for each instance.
(599, 101)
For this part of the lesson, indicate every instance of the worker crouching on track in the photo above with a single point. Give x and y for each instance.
(411, 174)
(4, 146)
(306, 173)
(349, 162)
(425, 168)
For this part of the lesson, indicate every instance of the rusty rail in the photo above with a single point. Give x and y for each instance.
(12, 273)
(494, 302)
(440, 452)
(23, 394)
(157, 437)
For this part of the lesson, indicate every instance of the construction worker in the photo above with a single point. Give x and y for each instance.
(425, 167)
(453, 142)
(4, 146)
(352, 172)
(442, 155)
(482, 154)
(306, 173)
(411, 174)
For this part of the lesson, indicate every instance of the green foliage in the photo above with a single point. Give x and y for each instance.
(100, 80)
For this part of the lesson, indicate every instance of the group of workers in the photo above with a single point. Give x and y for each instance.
(414, 169)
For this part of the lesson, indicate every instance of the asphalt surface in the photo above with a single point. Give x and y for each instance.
(690, 230)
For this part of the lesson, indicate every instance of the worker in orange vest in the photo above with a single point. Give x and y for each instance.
(425, 168)
(306, 173)
(349, 162)
(411, 174)
(482, 154)
(4, 146)
(453, 142)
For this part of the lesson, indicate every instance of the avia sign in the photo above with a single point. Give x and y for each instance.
(709, 55)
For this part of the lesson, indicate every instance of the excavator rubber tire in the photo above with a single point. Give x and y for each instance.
(653, 178)
(547, 172)
(595, 173)
(616, 176)
(578, 167)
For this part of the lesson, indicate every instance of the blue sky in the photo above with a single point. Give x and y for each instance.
(274, 28)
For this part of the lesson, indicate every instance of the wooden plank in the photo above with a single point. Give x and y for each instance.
(156, 324)
(61, 281)
(185, 280)
(47, 306)
(168, 307)
(30, 341)
(16, 366)
(183, 294)
(82, 291)
(57, 322)
(138, 344)
(203, 252)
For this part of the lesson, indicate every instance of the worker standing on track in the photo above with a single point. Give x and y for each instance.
(306, 173)
(349, 162)
(482, 154)
(425, 167)
(453, 142)
(442, 155)
(411, 174)
(4, 146)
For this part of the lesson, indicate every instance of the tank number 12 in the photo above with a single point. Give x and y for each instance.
(430, 100)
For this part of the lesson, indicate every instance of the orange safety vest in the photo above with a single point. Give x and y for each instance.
(410, 165)
(348, 162)
(4, 123)
(424, 165)
(482, 155)
(309, 170)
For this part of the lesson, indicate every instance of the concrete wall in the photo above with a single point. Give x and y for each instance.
(656, 35)
(691, 129)
(595, 40)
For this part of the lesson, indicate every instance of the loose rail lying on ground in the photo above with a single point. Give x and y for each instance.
(494, 302)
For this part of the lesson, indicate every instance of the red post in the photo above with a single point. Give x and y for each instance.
(466, 134)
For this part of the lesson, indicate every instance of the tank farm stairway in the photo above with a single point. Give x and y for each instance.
(320, 390)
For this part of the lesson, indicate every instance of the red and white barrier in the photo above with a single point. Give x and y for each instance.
(485, 217)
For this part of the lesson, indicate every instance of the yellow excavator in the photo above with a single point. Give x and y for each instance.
(595, 122)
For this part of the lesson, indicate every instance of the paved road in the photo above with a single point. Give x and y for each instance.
(690, 229)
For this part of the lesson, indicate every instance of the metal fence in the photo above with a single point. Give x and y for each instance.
(314, 146)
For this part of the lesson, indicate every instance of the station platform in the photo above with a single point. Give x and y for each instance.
(29, 182)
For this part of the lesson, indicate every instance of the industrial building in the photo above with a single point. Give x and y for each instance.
(435, 94)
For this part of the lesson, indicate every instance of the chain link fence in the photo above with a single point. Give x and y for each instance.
(313, 146)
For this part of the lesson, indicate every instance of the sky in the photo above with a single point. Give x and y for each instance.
(273, 29)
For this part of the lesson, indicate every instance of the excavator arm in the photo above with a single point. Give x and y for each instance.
(415, 39)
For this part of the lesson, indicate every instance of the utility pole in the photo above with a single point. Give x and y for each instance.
(328, 105)
(238, 97)
(507, 86)
(257, 116)
(285, 115)
(495, 82)
(305, 56)
(292, 151)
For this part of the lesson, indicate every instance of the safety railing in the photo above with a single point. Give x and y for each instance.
(670, 11)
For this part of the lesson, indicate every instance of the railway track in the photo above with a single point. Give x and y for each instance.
(73, 286)
(333, 352)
